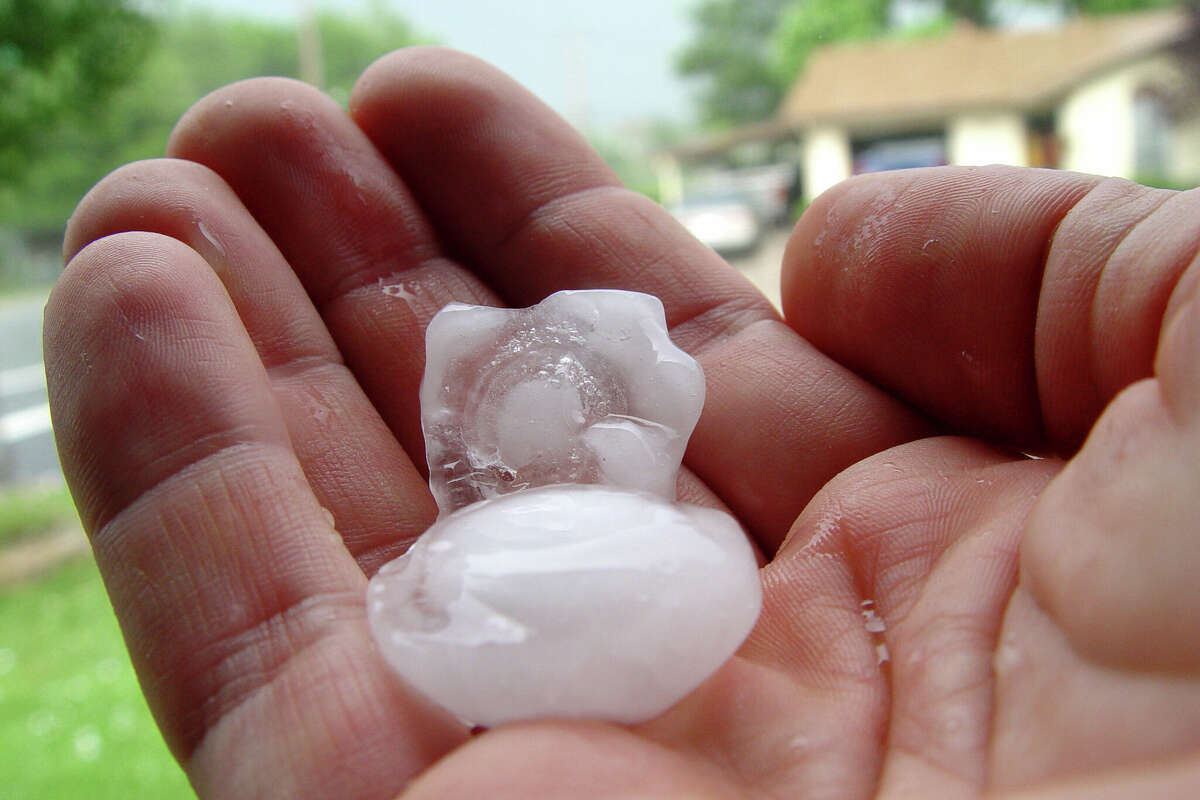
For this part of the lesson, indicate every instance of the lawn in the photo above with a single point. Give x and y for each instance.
(73, 723)
(26, 511)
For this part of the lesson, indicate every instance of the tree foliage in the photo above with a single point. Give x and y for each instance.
(189, 54)
(730, 53)
(807, 24)
(976, 11)
(348, 44)
(59, 62)
(1120, 6)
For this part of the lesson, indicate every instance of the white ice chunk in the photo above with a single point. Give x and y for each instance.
(561, 580)
(566, 601)
(517, 398)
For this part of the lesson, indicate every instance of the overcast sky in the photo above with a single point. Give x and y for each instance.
(600, 63)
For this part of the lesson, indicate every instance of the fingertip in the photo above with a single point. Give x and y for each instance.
(107, 352)
(139, 196)
(800, 253)
(567, 759)
(133, 264)
(415, 102)
(926, 282)
(233, 113)
(411, 68)
(847, 227)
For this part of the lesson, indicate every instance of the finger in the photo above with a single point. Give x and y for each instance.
(326, 206)
(1177, 778)
(1060, 716)
(343, 221)
(925, 537)
(1119, 527)
(802, 708)
(355, 467)
(569, 760)
(238, 602)
(1009, 303)
(517, 195)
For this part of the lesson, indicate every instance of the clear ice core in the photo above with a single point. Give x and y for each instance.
(561, 578)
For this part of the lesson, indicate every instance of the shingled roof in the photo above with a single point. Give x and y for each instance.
(970, 68)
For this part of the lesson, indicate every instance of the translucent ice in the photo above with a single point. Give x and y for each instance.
(585, 387)
(561, 580)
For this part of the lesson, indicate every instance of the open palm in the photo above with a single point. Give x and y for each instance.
(234, 353)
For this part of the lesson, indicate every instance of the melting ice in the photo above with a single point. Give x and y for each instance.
(561, 579)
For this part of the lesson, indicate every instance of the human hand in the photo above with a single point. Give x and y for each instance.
(225, 365)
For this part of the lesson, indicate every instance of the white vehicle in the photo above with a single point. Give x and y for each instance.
(725, 222)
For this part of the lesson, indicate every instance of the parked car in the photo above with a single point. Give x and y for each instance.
(770, 189)
(726, 222)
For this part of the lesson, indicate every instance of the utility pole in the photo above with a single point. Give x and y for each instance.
(577, 79)
(308, 35)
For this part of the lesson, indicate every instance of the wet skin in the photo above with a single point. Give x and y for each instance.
(235, 402)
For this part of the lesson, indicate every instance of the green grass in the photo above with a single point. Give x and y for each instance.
(31, 510)
(73, 723)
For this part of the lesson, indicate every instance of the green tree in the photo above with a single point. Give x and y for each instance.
(60, 62)
(348, 44)
(193, 54)
(730, 54)
(807, 24)
(1120, 6)
(977, 11)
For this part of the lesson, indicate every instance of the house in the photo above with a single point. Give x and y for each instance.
(1112, 95)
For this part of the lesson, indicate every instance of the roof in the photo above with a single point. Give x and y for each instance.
(971, 68)
(721, 142)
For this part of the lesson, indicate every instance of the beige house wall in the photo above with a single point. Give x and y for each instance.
(1096, 122)
(1095, 126)
(992, 138)
(827, 159)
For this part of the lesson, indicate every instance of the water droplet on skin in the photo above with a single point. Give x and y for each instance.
(210, 238)
(397, 289)
(873, 622)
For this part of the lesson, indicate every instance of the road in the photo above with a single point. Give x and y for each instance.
(27, 452)
(762, 266)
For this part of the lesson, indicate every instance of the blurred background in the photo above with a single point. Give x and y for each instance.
(732, 113)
